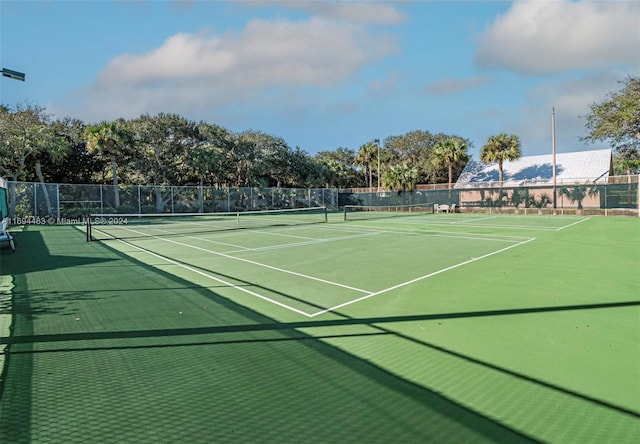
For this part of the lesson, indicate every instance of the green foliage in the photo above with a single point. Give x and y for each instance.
(544, 200)
(169, 149)
(27, 136)
(518, 197)
(500, 148)
(578, 193)
(450, 152)
(617, 119)
(403, 177)
(367, 154)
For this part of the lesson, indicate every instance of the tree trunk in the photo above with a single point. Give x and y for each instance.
(45, 191)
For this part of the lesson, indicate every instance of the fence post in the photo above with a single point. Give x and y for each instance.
(58, 199)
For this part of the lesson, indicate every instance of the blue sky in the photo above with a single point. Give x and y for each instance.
(327, 74)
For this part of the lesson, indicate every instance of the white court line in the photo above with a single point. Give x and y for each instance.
(368, 294)
(282, 270)
(575, 223)
(450, 234)
(222, 281)
(284, 235)
(311, 241)
(403, 284)
(301, 244)
(472, 220)
(511, 227)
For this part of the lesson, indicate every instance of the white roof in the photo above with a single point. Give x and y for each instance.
(579, 166)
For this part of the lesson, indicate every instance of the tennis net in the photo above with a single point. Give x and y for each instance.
(128, 226)
(360, 212)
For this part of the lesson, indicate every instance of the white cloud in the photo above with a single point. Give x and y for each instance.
(203, 71)
(558, 35)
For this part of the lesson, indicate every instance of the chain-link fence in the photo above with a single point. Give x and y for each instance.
(619, 196)
(72, 201)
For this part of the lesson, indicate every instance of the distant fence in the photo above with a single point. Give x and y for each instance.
(617, 196)
(612, 196)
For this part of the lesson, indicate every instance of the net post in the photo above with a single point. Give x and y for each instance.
(89, 227)
(326, 216)
(345, 213)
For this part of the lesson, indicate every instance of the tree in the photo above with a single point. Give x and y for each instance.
(78, 166)
(28, 135)
(414, 148)
(403, 177)
(364, 158)
(162, 145)
(337, 168)
(210, 160)
(617, 121)
(110, 139)
(449, 152)
(274, 159)
(500, 148)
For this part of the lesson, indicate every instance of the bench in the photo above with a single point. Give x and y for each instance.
(5, 236)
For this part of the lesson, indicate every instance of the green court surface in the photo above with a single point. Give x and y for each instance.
(424, 328)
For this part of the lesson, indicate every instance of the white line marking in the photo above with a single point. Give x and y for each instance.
(300, 244)
(222, 281)
(575, 223)
(513, 227)
(368, 294)
(403, 284)
(282, 270)
(474, 219)
(451, 234)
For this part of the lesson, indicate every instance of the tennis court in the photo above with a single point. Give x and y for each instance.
(306, 327)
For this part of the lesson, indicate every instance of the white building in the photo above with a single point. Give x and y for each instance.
(571, 168)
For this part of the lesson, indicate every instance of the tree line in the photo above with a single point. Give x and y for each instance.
(167, 149)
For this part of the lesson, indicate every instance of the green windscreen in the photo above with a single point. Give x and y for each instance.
(4, 207)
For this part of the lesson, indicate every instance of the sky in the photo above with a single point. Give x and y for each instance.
(328, 74)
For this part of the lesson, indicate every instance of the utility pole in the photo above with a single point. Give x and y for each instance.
(553, 150)
(378, 142)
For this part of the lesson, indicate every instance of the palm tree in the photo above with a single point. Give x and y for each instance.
(403, 177)
(111, 139)
(500, 148)
(365, 156)
(449, 152)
